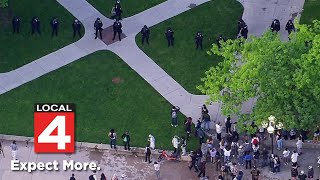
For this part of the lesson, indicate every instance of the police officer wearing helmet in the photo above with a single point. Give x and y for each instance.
(76, 26)
(275, 26)
(16, 24)
(98, 27)
(118, 11)
(35, 25)
(244, 32)
(290, 27)
(145, 31)
(198, 40)
(241, 24)
(117, 29)
(55, 25)
(220, 38)
(169, 35)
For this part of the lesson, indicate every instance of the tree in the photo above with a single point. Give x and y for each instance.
(4, 3)
(283, 76)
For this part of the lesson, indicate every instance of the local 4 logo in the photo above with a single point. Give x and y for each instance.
(54, 128)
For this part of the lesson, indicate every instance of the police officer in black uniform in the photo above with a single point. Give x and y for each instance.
(169, 35)
(244, 32)
(290, 27)
(118, 10)
(241, 24)
(275, 26)
(98, 27)
(35, 25)
(16, 24)
(220, 38)
(198, 39)
(55, 25)
(76, 26)
(145, 31)
(117, 28)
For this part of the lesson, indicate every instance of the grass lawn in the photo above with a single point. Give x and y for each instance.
(311, 11)
(129, 8)
(101, 104)
(20, 49)
(183, 62)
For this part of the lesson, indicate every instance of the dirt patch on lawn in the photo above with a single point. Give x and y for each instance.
(117, 80)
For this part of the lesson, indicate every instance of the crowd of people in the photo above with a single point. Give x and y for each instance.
(232, 150)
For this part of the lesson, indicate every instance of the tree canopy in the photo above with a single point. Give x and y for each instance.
(283, 76)
(4, 3)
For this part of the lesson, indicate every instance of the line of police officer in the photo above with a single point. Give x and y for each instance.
(117, 29)
(35, 26)
(275, 26)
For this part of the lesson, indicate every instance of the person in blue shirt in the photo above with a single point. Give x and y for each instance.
(248, 159)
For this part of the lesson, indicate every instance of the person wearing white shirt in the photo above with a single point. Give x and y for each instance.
(14, 150)
(294, 157)
(286, 154)
(175, 143)
(226, 154)
(219, 130)
(157, 169)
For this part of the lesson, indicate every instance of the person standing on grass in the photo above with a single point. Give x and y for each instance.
(14, 150)
(188, 125)
(201, 136)
(157, 169)
(113, 137)
(299, 146)
(147, 151)
(286, 154)
(152, 141)
(126, 140)
(175, 144)
(174, 116)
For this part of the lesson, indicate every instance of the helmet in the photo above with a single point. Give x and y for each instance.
(302, 172)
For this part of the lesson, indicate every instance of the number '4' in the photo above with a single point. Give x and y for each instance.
(61, 139)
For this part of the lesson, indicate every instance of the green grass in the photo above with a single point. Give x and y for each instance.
(129, 8)
(101, 105)
(17, 50)
(183, 62)
(310, 12)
